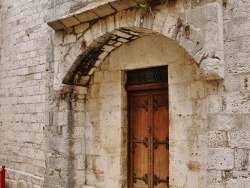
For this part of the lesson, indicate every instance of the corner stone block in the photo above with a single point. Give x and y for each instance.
(220, 158)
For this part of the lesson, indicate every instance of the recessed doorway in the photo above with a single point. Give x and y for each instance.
(148, 151)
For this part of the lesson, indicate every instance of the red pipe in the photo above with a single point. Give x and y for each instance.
(2, 177)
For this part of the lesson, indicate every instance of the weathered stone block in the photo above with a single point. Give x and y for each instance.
(88, 37)
(245, 44)
(77, 147)
(178, 173)
(181, 92)
(237, 29)
(175, 70)
(238, 63)
(197, 90)
(69, 39)
(238, 102)
(241, 159)
(216, 104)
(104, 10)
(179, 151)
(22, 184)
(240, 182)
(159, 21)
(234, 83)
(224, 122)
(184, 110)
(81, 28)
(215, 179)
(246, 125)
(127, 18)
(217, 139)
(220, 158)
(239, 139)
(111, 88)
(231, 46)
(58, 38)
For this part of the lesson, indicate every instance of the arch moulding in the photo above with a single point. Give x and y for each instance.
(84, 38)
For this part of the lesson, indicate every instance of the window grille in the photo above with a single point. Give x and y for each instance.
(147, 76)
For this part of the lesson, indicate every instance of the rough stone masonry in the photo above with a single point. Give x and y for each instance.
(63, 101)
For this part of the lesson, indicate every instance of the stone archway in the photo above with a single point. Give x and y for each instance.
(106, 128)
(83, 38)
(97, 41)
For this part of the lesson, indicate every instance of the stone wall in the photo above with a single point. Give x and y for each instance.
(65, 144)
(22, 95)
(223, 101)
(228, 135)
(56, 135)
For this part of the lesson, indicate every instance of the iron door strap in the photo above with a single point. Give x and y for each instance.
(157, 180)
(135, 141)
(156, 142)
(144, 178)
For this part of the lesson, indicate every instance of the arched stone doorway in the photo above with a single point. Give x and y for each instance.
(106, 128)
(101, 68)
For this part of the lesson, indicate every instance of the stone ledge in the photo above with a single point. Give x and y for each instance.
(92, 11)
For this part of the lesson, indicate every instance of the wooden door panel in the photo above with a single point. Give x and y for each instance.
(160, 115)
(149, 130)
(139, 104)
(140, 161)
(140, 184)
(160, 139)
(161, 166)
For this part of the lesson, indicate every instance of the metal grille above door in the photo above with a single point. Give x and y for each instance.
(148, 75)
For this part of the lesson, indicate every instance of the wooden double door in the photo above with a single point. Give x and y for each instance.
(148, 139)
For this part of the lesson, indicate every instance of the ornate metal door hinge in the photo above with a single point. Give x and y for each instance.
(135, 141)
(144, 178)
(143, 105)
(157, 180)
(156, 105)
(157, 143)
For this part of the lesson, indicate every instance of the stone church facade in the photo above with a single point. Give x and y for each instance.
(66, 120)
